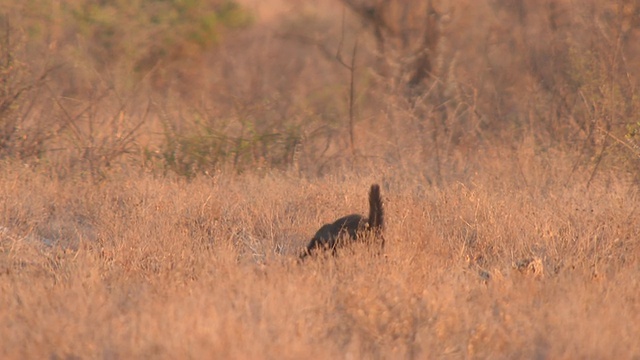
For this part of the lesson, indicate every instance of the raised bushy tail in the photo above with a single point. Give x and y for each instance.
(376, 212)
(351, 226)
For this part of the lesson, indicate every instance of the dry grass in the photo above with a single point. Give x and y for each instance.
(143, 267)
(154, 209)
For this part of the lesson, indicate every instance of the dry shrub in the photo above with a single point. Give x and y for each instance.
(433, 81)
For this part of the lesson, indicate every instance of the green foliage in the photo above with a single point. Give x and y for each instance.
(206, 147)
(633, 138)
(146, 32)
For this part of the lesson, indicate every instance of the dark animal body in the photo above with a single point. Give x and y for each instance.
(351, 227)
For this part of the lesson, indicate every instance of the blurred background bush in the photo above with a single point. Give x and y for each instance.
(195, 86)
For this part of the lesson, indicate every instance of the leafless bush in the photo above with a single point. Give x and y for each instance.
(21, 135)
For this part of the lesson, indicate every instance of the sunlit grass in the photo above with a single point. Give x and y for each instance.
(153, 202)
(148, 267)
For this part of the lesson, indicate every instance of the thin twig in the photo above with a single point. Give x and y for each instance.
(352, 70)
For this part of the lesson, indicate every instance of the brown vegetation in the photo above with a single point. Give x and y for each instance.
(163, 163)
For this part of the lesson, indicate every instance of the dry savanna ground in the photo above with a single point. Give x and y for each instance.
(147, 267)
(162, 163)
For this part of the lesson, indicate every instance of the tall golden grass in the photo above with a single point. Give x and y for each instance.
(156, 209)
(143, 267)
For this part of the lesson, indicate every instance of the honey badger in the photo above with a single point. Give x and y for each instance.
(351, 227)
